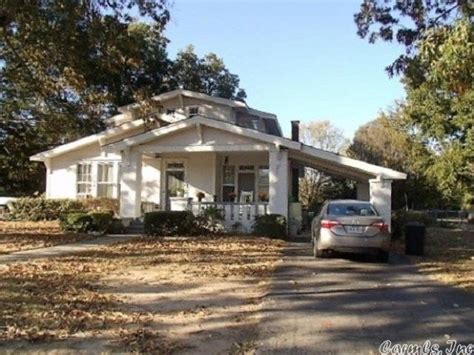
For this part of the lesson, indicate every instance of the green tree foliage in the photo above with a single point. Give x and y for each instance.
(440, 104)
(406, 22)
(438, 72)
(387, 142)
(207, 74)
(64, 66)
(67, 65)
(317, 186)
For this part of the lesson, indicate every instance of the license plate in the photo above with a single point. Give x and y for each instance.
(355, 229)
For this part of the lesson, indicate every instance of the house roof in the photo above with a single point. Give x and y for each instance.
(302, 154)
(307, 155)
(198, 95)
(240, 106)
(94, 138)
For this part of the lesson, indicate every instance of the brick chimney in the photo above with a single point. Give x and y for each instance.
(295, 131)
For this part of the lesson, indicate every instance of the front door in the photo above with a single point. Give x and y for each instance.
(175, 186)
(246, 187)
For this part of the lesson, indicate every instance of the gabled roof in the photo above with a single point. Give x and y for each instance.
(298, 150)
(198, 95)
(239, 106)
(95, 138)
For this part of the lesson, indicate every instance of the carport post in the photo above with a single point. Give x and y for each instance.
(363, 191)
(381, 198)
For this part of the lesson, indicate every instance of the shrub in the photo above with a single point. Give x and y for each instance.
(270, 225)
(162, 223)
(102, 204)
(208, 222)
(78, 222)
(401, 217)
(117, 226)
(101, 221)
(40, 208)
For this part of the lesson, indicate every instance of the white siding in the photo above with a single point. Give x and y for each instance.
(151, 180)
(199, 173)
(61, 179)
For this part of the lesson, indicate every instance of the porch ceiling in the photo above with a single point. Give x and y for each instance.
(330, 168)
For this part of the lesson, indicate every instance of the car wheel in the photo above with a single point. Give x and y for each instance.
(318, 253)
(384, 256)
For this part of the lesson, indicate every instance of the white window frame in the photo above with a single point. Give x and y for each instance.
(184, 170)
(259, 185)
(83, 182)
(191, 108)
(111, 183)
(94, 178)
(234, 184)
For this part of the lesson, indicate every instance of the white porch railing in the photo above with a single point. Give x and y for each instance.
(239, 216)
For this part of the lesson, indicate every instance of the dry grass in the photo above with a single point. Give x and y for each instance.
(16, 236)
(68, 298)
(449, 256)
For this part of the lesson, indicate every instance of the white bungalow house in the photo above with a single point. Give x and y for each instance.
(196, 150)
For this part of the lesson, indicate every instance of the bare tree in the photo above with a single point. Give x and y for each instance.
(316, 185)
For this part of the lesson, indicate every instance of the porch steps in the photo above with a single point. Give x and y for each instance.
(135, 227)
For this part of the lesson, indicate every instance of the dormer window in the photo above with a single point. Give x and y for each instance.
(193, 111)
(255, 123)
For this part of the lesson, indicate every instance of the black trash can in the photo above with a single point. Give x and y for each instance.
(415, 238)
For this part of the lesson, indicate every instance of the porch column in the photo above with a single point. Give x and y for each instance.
(278, 194)
(381, 198)
(363, 191)
(131, 184)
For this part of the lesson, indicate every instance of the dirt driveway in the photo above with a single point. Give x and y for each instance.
(345, 306)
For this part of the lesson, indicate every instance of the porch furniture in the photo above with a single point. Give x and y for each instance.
(246, 196)
(179, 203)
(150, 207)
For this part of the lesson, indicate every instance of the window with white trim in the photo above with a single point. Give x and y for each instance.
(84, 180)
(263, 183)
(175, 176)
(105, 180)
(193, 110)
(228, 183)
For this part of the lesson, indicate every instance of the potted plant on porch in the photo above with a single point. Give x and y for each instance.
(263, 197)
(232, 196)
(200, 195)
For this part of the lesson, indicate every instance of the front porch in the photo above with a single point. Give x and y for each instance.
(242, 185)
(200, 162)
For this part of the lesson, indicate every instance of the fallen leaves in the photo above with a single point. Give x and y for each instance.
(448, 256)
(144, 341)
(16, 236)
(61, 297)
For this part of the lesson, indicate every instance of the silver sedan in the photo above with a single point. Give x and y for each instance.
(350, 226)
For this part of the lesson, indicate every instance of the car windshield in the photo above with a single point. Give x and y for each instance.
(351, 209)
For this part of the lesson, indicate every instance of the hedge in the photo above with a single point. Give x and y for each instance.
(41, 208)
(102, 221)
(78, 222)
(82, 222)
(401, 217)
(161, 223)
(270, 225)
